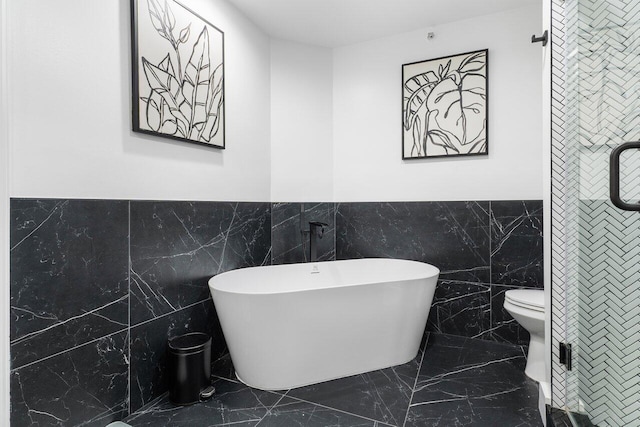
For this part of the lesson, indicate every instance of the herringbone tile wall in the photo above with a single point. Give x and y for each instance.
(609, 314)
(595, 250)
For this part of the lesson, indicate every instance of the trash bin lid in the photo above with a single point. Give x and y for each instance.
(189, 342)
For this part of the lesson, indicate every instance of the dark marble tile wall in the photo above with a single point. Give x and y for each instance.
(69, 276)
(516, 261)
(289, 231)
(481, 248)
(516, 243)
(97, 286)
(177, 246)
(69, 311)
(451, 235)
(83, 386)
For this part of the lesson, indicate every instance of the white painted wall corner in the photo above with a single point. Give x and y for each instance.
(4, 220)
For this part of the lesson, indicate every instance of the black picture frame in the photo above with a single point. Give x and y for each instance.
(178, 84)
(445, 106)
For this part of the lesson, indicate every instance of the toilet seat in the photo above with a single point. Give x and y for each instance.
(531, 299)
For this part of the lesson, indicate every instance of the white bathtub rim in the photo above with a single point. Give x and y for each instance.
(222, 282)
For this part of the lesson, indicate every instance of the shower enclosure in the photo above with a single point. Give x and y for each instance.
(595, 243)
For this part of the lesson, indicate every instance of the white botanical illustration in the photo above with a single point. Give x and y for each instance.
(181, 85)
(444, 106)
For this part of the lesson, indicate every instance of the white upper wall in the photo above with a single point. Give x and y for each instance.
(70, 100)
(5, 300)
(333, 23)
(301, 122)
(367, 126)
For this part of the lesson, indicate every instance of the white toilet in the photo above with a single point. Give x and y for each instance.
(527, 308)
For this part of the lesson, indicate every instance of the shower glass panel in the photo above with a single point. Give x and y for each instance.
(596, 245)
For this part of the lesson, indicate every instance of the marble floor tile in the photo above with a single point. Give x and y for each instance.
(222, 367)
(233, 404)
(293, 412)
(557, 418)
(473, 382)
(453, 381)
(381, 395)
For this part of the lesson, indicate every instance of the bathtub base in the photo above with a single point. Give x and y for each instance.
(239, 378)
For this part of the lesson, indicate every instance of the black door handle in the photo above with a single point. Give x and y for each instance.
(614, 176)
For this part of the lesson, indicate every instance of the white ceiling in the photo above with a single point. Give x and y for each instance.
(332, 23)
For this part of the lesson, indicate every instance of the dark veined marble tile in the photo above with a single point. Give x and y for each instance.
(505, 328)
(561, 418)
(293, 412)
(289, 244)
(453, 236)
(473, 382)
(69, 274)
(222, 367)
(460, 308)
(71, 333)
(516, 243)
(233, 404)
(557, 418)
(176, 247)
(149, 345)
(84, 386)
(381, 395)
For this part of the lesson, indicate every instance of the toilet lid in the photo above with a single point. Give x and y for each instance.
(528, 298)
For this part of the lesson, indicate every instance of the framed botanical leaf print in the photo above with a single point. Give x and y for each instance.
(445, 106)
(178, 73)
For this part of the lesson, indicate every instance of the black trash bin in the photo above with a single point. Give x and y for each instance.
(189, 368)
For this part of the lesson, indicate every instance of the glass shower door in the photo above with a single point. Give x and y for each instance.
(596, 242)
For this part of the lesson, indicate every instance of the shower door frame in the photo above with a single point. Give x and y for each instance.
(564, 198)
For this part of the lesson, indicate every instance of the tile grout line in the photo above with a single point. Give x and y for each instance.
(415, 382)
(490, 267)
(69, 349)
(339, 410)
(282, 396)
(149, 405)
(170, 313)
(226, 379)
(335, 231)
(124, 328)
(95, 311)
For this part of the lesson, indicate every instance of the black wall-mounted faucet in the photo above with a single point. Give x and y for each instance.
(316, 231)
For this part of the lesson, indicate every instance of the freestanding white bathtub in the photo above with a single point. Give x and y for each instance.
(292, 325)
